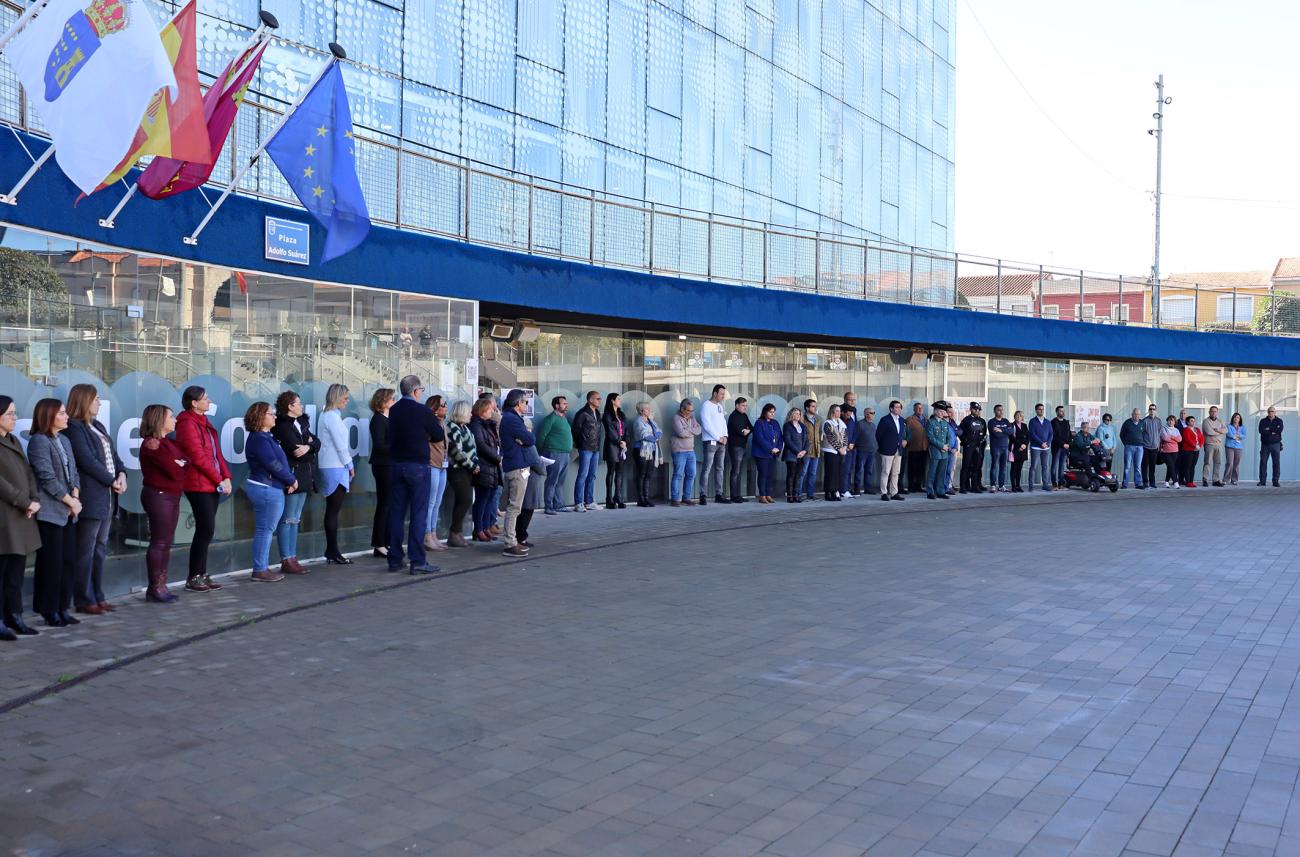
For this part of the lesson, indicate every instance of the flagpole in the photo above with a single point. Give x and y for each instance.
(336, 53)
(269, 22)
(11, 198)
(22, 21)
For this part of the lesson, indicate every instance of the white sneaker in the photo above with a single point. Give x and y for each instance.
(591, 507)
(848, 495)
(578, 507)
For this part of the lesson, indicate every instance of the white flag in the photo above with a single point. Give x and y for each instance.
(90, 68)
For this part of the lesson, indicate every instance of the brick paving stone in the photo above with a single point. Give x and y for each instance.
(986, 678)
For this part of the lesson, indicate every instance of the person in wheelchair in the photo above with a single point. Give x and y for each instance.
(1086, 451)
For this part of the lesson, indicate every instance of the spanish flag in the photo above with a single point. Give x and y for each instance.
(173, 127)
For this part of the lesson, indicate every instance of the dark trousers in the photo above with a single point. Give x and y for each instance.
(462, 497)
(847, 466)
(866, 471)
(56, 568)
(764, 466)
(11, 587)
(736, 456)
(163, 510)
(834, 466)
(522, 520)
(1017, 466)
(92, 551)
(410, 496)
(383, 474)
(334, 505)
(1170, 461)
(918, 464)
(972, 468)
(1187, 459)
(204, 507)
(1267, 452)
(644, 471)
(1150, 458)
(793, 473)
(614, 480)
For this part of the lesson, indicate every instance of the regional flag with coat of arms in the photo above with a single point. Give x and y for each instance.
(173, 127)
(90, 68)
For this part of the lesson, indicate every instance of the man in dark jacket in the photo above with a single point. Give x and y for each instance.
(515, 437)
(1152, 426)
(411, 428)
(849, 416)
(891, 440)
(1133, 440)
(974, 437)
(1000, 432)
(586, 439)
(1270, 447)
(1061, 434)
(739, 428)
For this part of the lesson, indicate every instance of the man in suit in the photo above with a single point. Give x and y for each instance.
(891, 440)
(411, 428)
(849, 416)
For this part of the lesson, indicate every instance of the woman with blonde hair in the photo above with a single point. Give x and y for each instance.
(795, 436)
(437, 475)
(462, 454)
(336, 468)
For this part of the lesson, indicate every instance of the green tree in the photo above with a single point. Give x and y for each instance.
(1278, 314)
(23, 273)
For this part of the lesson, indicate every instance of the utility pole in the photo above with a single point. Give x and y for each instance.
(1159, 133)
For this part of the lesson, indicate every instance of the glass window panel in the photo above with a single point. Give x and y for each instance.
(489, 46)
(584, 161)
(1088, 382)
(540, 91)
(431, 42)
(431, 118)
(374, 33)
(624, 172)
(541, 31)
(585, 67)
(537, 150)
(1279, 391)
(1177, 309)
(965, 378)
(698, 100)
(310, 22)
(626, 105)
(488, 134)
(729, 121)
(663, 136)
(785, 48)
(808, 142)
(758, 33)
(699, 11)
(1204, 387)
(810, 43)
(375, 99)
(758, 104)
(729, 20)
(664, 54)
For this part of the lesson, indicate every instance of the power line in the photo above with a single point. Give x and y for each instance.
(1041, 109)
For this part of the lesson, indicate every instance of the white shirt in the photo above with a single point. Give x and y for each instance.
(333, 435)
(713, 421)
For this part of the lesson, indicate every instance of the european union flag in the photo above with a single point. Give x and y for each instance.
(316, 152)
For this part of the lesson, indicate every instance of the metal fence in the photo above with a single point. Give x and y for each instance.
(414, 188)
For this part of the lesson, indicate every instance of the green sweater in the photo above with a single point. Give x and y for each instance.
(554, 434)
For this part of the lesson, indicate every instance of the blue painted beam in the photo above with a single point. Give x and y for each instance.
(518, 285)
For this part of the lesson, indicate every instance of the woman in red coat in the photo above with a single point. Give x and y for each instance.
(1188, 451)
(162, 464)
(207, 480)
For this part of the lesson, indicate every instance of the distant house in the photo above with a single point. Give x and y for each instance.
(1214, 299)
(1097, 299)
(1016, 295)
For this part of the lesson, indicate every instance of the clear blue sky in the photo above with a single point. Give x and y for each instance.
(1024, 191)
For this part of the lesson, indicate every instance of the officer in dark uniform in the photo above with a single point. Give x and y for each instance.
(974, 437)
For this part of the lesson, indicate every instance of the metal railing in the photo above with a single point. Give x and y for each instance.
(415, 188)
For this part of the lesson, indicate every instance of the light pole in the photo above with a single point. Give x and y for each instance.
(1159, 133)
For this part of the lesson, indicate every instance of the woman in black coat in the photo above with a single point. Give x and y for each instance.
(1019, 449)
(293, 432)
(381, 466)
(615, 451)
(487, 443)
(103, 478)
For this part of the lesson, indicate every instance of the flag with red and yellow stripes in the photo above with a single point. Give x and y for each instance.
(173, 128)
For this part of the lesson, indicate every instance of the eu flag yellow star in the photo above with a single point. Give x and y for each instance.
(318, 191)
(320, 132)
(308, 172)
(311, 150)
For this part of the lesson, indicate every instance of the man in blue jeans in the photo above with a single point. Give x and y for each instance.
(1130, 436)
(808, 480)
(586, 439)
(849, 416)
(411, 428)
(555, 441)
(1040, 448)
(865, 449)
(1000, 432)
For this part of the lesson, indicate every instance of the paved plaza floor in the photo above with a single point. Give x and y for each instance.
(998, 675)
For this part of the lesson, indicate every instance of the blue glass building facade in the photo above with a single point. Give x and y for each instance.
(833, 115)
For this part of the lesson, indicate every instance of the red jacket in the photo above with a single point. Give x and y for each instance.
(202, 447)
(158, 457)
(1193, 439)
